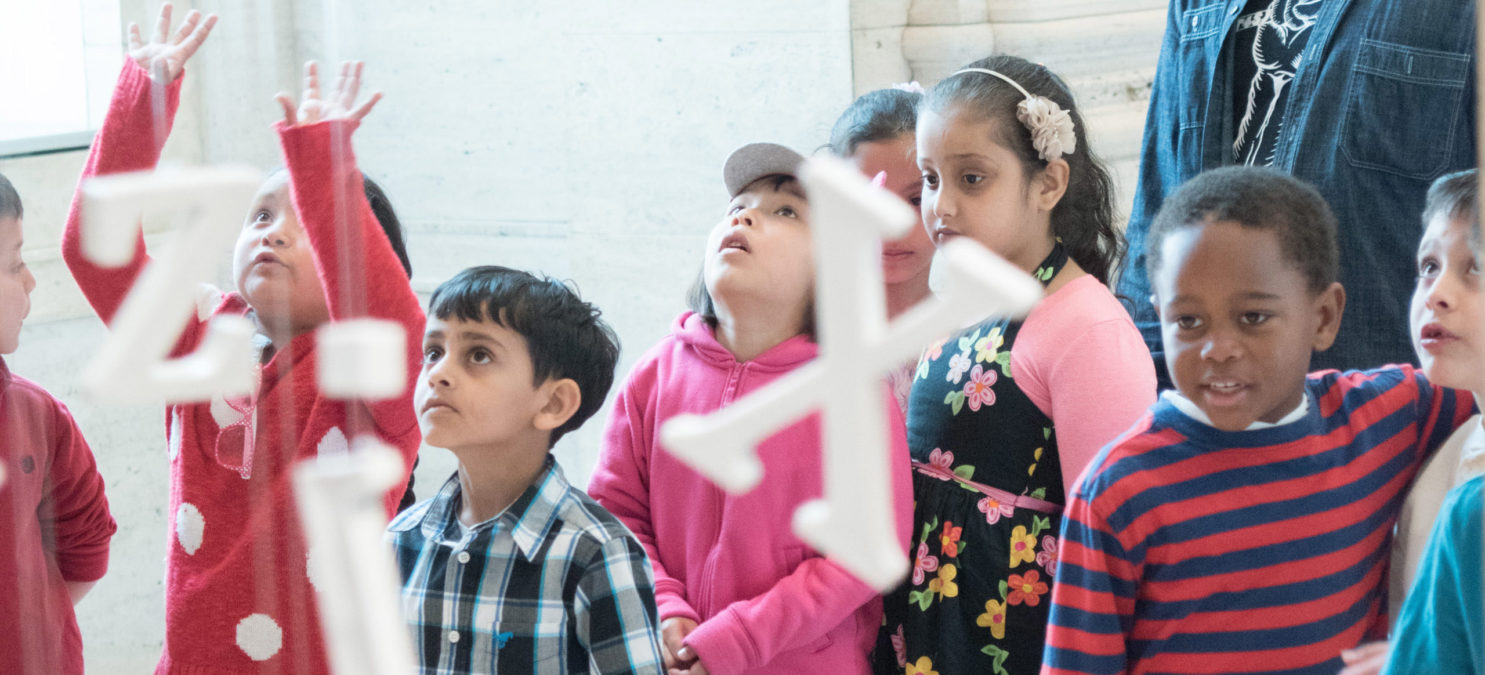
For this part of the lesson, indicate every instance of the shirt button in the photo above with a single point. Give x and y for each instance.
(454, 636)
(464, 556)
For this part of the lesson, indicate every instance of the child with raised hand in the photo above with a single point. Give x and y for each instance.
(509, 568)
(1245, 522)
(54, 519)
(238, 593)
(876, 134)
(737, 591)
(1005, 414)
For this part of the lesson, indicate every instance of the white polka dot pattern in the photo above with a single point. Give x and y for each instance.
(259, 637)
(175, 437)
(190, 526)
(334, 443)
(309, 568)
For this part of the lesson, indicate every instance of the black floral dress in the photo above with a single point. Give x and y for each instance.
(988, 493)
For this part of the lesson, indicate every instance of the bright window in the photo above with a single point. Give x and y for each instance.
(58, 62)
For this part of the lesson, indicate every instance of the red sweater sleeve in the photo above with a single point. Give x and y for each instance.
(80, 521)
(361, 274)
(130, 140)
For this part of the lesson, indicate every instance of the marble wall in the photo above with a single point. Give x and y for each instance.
(583, 140)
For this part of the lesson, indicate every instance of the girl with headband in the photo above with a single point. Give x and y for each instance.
(1005, 414)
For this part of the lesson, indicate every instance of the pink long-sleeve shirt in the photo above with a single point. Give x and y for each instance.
(238, 595)
(1081, 361)
(765, 601)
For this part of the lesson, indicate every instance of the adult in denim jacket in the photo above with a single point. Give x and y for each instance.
(1382, 103)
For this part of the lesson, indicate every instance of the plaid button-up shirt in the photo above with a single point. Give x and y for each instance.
(554, 584)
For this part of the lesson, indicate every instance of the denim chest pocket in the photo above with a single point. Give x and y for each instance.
(1402, 108)
(1203, 22)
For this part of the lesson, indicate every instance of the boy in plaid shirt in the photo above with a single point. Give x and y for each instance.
(509, 568)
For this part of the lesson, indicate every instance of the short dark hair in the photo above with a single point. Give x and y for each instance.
(1456, 196)
(10, 200)
(1258, 198)
(565, 336)
(880, 115)
(699, 300)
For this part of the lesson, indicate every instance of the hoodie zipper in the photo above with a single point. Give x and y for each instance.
(718, 501)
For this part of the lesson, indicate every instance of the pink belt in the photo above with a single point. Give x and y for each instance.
(1006, 502)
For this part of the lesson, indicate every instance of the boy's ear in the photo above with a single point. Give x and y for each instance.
(1050, 184)
(560, 400)
(1330, 304)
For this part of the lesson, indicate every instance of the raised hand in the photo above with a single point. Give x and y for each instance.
(340, 104)
(165, 56)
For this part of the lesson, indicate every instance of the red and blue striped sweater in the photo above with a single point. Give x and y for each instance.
(1187, 549)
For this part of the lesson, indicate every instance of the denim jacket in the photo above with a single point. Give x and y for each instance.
(1382, 104)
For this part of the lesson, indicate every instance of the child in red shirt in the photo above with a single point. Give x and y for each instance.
(54, 520)
(238, 592)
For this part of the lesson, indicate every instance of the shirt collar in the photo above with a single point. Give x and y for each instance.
(530, 518)
(1190, 409)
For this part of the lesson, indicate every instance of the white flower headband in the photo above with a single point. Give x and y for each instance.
(1051, 127)
(910, 87)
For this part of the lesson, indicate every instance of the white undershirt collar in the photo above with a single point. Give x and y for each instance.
(1189, 409)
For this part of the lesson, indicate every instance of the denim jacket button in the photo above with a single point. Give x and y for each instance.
(1233, 10)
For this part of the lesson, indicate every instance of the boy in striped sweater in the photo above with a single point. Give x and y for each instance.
(1244, 525)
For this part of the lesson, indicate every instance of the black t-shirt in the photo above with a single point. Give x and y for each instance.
(1268, 41)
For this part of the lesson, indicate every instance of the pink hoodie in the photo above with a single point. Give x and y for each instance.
(765, 601)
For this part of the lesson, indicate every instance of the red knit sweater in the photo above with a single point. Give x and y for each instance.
(238, 597)
(54, 528)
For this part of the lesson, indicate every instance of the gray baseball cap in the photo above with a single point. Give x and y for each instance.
(756, 160)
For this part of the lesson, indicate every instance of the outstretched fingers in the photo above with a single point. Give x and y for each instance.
(192, 42)
(311, 82)
(349, 86)
(186, 26)
(290, 118)
(360, 111)
(162, 24)
(136, 41)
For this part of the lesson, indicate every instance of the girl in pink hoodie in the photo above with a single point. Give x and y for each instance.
(737, 591)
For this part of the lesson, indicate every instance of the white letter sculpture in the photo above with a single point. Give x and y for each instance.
(340, 503)
(361, 359)
(132, 366)
(854, 524)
